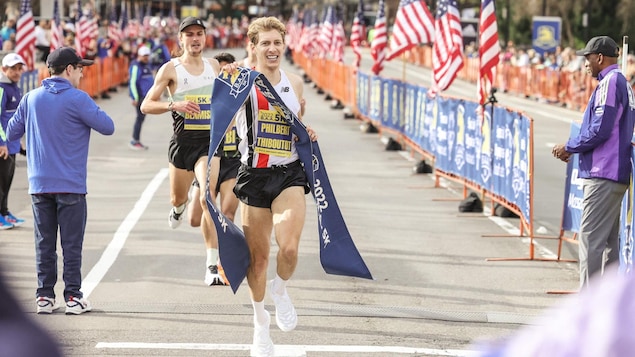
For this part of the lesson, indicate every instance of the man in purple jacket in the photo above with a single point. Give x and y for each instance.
(58, 119)
(604, 148)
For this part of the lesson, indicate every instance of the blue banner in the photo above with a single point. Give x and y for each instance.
(338, 254)
(573, 193)
(545, 34)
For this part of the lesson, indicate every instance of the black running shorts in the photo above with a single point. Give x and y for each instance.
(228, 170)
(259, 187)
(185, 156)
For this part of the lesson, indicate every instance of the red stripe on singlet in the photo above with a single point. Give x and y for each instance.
(263, 159)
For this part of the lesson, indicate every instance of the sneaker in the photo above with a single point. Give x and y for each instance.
(137, 145)
(17, 222)
(4, 224)
(175, 219)
(286, 317)
(262, 346)
(75, 306)
(46, 305)
(213, 277)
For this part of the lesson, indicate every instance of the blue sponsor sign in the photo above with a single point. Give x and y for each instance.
(546, 34)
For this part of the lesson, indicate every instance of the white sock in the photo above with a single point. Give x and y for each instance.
(279, 285)
(260, 314)
(179, 209)
(212, 256)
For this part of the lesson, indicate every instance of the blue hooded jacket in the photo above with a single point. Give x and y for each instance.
(57, 119)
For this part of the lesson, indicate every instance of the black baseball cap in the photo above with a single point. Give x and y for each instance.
(189, 21)
(64, 56)
(600, 44)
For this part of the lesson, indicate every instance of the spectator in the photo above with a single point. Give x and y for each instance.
(141, 80)
(57, 119)
(604, 148)
(13, 65)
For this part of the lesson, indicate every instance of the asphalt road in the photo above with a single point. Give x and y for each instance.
(434, 291)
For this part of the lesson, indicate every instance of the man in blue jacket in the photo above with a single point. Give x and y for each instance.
(57, 119)
(604, 148)
(141, 80)
(13, 65)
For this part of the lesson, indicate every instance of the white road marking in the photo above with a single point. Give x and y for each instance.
(288, 350)
(111, 252)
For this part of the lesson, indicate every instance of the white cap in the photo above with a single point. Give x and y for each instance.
(11, 59)
(143, 51)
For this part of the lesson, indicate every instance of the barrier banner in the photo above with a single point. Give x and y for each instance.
(419, 113)
(521, 175)
(626, 226)
(573, 194)
(362, 96)
(374, 106)
(385, 114)
(467, 157)
(441, 132)
(428, 139)
(338, 254)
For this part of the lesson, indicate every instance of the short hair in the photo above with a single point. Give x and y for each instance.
(225, 57)
(265, 24)
(56, 70)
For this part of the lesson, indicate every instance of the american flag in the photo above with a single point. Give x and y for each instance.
(114, 29)
(339, 37)
(447, 51)
(313, 36)
(57, 35)
(307, 20)
(413, 25)
(25, 35)
(147, 16)
(80, 30)
(488, 51)
(378, 44)
(294, 30)
(125, 30)
(358, 33)
(326, 32)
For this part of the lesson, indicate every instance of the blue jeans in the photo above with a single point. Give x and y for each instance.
(66, 211)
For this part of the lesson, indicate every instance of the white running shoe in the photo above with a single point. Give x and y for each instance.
(175, 219)
(75, 306)
(262, 346)
(213, 277)
(46, 305)
(286, 317)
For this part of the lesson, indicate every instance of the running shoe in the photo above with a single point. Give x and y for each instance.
(175, 218)
(46, 305)
(137, 145)
(4, 224)
(262, 346)
(213, 277)
(286, 316)
(75, 306)
(17, 222)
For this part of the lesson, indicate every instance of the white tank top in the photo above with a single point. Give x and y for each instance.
(197, 89)
(266, 137)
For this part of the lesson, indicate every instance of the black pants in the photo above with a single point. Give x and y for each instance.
(136, 131)
(7, 170)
